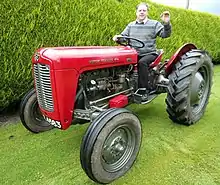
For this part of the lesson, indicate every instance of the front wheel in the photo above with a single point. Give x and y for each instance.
(110, 145)
(30, 114)
(190, 87)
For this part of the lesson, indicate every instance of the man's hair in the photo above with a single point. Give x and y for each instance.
(143, 3)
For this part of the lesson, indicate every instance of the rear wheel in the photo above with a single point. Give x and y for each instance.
(30, 114)
(190, 87)
(110, 145)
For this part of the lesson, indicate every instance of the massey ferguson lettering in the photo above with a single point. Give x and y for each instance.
(104, 60)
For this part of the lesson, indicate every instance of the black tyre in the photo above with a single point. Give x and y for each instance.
(110, 145)
(30, 114)
(190, 87)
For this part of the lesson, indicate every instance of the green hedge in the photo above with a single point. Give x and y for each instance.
(27, 25)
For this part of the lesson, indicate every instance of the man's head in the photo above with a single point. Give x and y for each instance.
(142, 11)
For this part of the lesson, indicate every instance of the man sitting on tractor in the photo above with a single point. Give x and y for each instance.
(146, 30)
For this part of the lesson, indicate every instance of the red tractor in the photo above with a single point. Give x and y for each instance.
(95, 84)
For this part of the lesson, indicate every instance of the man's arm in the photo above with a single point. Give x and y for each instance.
(126, 31)
(163, 31)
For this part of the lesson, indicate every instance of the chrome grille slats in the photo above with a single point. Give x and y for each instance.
(43, 86)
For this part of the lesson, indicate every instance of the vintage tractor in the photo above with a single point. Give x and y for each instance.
(95, 84)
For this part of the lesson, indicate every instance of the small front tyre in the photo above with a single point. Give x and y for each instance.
(110, 145)
(30, 114)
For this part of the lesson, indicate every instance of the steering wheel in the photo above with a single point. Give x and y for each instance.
(125, 41)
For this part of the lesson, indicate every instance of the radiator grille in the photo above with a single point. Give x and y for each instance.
(43, 86)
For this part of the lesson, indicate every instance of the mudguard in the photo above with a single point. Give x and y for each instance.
(176, 57)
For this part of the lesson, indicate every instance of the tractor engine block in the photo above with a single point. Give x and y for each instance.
(104, 82)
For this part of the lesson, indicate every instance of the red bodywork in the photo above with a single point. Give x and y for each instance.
(67, 63)
(176, 57)
(157, 60)
(119, 101)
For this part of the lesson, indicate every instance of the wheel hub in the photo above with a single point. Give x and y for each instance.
(118, 148)
(201, 89)
(115, 147)
(198, 88)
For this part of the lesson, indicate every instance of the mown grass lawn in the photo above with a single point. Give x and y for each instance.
(170, 153)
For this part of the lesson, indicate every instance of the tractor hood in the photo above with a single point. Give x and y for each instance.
(84, 57)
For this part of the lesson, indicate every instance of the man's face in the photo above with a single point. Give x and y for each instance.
(141, 12)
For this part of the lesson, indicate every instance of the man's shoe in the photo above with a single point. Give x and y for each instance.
(144, 97)
(141, 95)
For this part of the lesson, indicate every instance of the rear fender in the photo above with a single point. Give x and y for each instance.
(176, 57)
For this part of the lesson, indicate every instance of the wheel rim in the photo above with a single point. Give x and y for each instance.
(200, 89)
(37, 116)
(118, 148)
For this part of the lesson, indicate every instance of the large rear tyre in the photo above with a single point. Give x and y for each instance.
(30, 114)
(110, 145)
(190, 87)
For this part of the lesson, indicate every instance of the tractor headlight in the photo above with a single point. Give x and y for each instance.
(36, 56)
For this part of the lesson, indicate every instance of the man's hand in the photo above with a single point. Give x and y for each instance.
(115, 38)
(165, 16)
